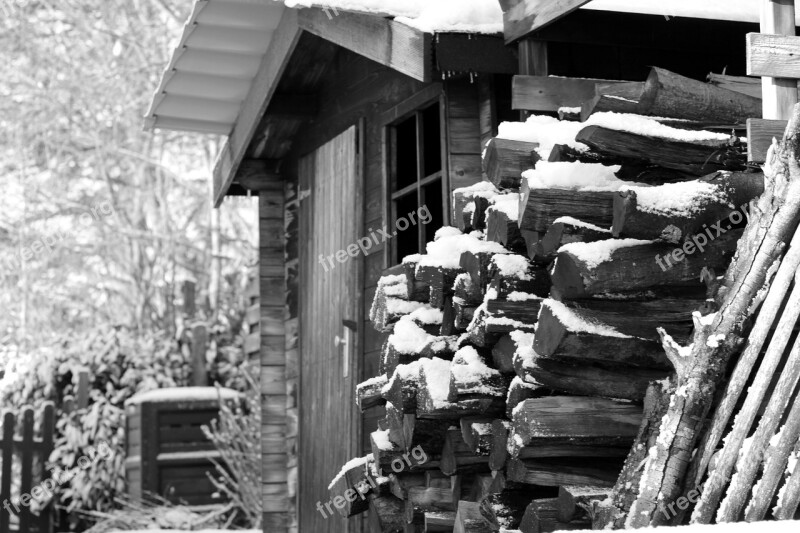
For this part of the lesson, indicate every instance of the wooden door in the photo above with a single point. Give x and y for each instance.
(330, 214)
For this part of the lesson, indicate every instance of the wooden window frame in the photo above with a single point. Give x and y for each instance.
(413, 108)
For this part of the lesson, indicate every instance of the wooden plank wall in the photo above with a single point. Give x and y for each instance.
(464, 130)
(292, 326)
(273, 359)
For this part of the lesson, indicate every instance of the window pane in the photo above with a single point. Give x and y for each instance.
(433, 201)
(406, 242)
(406, 153)
(433, 140)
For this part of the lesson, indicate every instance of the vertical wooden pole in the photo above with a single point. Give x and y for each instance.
(9, 422)
(532, 62)
(779, 94)
(45, 519)
(26, 468)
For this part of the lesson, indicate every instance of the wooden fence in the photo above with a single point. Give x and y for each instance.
(29, 450)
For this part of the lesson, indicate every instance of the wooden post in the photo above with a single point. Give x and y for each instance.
(532, 62)
(779, 94)
(82, 392)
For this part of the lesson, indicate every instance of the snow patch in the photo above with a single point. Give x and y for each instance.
(595, 253)
(575, 176)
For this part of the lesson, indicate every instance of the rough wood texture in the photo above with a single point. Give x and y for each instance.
(694, 159)
(368, 394)
(505, 160)
(539, 208)
(544, 93)
(574, 501)
(667, 94)
(557, 472)
(566, 230)
(761, 133)
(613, 97)
(469, 519)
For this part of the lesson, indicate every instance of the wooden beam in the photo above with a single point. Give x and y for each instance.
(466, 52)
(263, 87)
(543, 93)
(521, 17)
(760, 133)
(779, 94)
(400, 47)
(297, 106)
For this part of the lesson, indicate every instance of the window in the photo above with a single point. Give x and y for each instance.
(416, 179)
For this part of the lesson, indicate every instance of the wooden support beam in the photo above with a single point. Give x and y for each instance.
(544, 93)
(779, 93)
(260, 175)
(521, 17)
(760, 133)
(284, 42)
(398, 46)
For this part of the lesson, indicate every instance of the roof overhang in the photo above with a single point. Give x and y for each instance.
(523, 17)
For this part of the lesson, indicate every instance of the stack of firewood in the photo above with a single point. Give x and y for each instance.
(523, 344)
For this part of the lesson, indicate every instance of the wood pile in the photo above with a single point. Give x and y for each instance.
(525, 351)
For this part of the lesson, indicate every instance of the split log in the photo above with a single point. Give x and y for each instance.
(503, 228)
(540, 208)
(739, 84)
(741, 292)
(556, 472)
(433, 392)
(505, 509)
(575, 501)
(429, 435)
(476, 265)
(667, 94)
(368, 393)
(564, 333)
(487, 328)
(456, 455)
(542, 447)
(541, 516)
(386, 515)
(401, 390)
(421, 500)
(519, 391)
(463, 315)
(566, 230)
(524, 310)
(503, 355)
(477, 434)
(498, 453)
(478, 488)
(401, 482)
(514, 273)
(616, 97)
(690, 158)
(439, 280)
(467, 292)
(505, 160)
(448, 326)
(352, 484)
(721, 198)
(472, 378)
(465, 207)
(469, 519)
(416, 289)
(631, 265)
(440, 521)
(605, 381)
(428, 347)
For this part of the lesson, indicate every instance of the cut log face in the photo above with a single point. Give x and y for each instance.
(540, 208)
(457, 456)
(439, 280)
(574, 501)
(565, 333)
(469, 519)
(519, 391)
(368, 393)
(353, 480)
(617, 98)
(716, 198)
(416, 290)
(582, 270)
(505, 160)
(566, 230)
(464, 203)
(501, 228)
(667, 94)
(693, 159)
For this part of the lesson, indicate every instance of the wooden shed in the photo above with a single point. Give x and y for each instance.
(353, 127)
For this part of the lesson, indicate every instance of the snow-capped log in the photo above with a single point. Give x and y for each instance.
(477, 434)
(694, 158)
(574, 501)
(471, 377)
(457, 456)
(539, 208)
(513, 273)
(409, 342)
(676, 212)
(667, 94)
(416, 289)
(401, 389)
(614, 97)
(505, 160)
(465, 206)
(566, 230)
(421, 500)
(565, 333)
(503, 355)
(462, 315)
(384, 451)
(386, 514)
(469, 519)
(590, 379)
(352, 477)
(436, 384)
(589, 419)
(520, 390)
(426, 433)
(643, 316)
(369, 393)
(502, 222)
(467, 292)
(524, 308)
(498, 453)
(623, 265)
(439, 521)
(541, 516)
(476, 265)
(486, 328)
(554, 472)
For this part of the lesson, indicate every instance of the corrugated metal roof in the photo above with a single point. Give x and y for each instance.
(213, 65)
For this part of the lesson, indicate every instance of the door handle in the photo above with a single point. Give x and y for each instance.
(343, 342)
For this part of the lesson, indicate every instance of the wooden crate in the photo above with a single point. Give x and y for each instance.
(167, 452)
